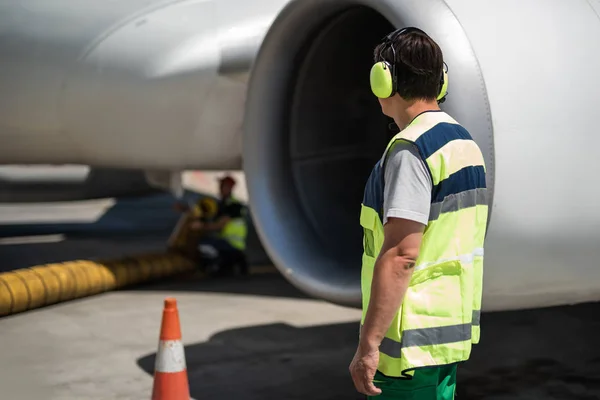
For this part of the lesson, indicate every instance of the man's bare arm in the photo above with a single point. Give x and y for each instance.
(391, 276)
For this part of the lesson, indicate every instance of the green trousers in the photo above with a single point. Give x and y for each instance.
(435, 383)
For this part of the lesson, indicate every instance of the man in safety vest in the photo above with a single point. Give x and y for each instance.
(226, 232)
(424, 217)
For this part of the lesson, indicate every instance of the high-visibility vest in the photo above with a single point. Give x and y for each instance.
(235, 231)
(438, 320)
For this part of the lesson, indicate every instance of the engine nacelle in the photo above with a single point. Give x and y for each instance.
(314, 130)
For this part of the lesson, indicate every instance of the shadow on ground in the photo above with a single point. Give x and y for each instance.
(536, 354)
(267, 284)
(133, 225)
(275, 361)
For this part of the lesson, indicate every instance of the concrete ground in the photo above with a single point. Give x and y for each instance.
(244, 339)
(258, 334)
(261, 339)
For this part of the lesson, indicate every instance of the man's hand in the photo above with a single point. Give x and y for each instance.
(363, 368)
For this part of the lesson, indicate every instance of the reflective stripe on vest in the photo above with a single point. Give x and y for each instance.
(438, 320)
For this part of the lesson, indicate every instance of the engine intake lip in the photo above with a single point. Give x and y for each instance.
(282, 199)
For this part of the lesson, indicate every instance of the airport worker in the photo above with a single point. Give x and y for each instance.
(424, 215)
(227, 232)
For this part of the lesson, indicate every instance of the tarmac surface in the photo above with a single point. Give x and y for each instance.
(255, 338)
(39, 233)
(261, 339)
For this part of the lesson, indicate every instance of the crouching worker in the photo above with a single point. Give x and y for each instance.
(222, 233)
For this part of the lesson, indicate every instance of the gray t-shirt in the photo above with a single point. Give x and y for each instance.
(408, 185)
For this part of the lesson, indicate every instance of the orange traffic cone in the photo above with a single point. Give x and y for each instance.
(170, 372)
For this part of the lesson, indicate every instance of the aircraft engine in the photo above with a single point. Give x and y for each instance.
(527, 94)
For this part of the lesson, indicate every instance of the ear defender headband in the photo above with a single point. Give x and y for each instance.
(383, 77)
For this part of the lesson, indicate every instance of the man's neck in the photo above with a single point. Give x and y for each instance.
(414, 109)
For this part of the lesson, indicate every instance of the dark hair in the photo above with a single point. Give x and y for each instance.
(419, 63)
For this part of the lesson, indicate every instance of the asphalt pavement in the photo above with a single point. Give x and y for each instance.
(256, 338)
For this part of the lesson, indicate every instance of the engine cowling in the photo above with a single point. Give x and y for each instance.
(313, 131)
(308, 154)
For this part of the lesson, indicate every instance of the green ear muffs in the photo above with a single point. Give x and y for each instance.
(444, 90)
(383, 75)
(382, 82)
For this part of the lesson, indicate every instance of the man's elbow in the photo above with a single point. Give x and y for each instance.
(404, 260)
(402, 243)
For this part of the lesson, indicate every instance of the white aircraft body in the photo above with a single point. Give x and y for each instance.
(281, 89)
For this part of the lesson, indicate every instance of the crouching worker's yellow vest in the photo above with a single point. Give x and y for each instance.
(438, 320)
(236, 230)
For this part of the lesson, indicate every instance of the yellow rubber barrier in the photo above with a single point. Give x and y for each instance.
(28, 288)
(42, 285)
